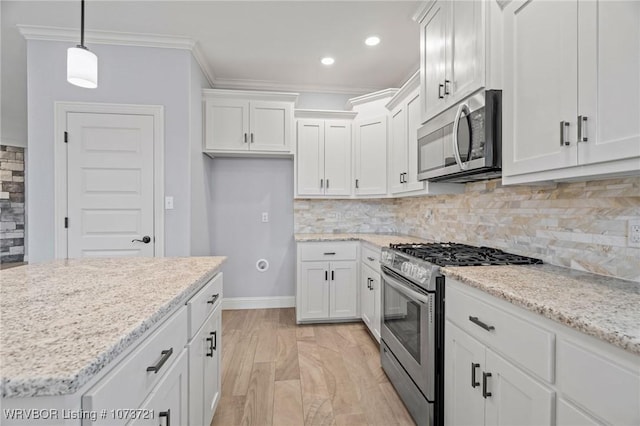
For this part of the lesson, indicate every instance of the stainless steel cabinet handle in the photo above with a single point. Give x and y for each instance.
(564, 133)
(440, 87)
(251, 137)
(474, 384)
(480, 324)
(165, 356)
(447, 87)
(485, 376)
(245, 138)
(582, 128)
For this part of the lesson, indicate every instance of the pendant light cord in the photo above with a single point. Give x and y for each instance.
(82, 23)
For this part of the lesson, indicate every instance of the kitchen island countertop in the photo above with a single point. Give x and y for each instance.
(604, 307)
(62, 322)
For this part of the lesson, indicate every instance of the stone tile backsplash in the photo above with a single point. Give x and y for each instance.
(581, 225)
(11, 204)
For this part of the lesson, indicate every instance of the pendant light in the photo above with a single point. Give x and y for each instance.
(82, 64)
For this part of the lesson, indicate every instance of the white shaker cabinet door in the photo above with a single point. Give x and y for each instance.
(398, 149)
(314, 290)
(371, 156)
(413, 124)
(337, 157)
(212, 374)
(227, 124)
(516, 398)
(464, 364)
(343, 289)
(609, 80)
(433, 33)
(540, 75)
(310, 157)
(270, 126)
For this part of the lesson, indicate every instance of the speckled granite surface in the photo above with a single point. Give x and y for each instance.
(380, 240)
(61, 322)
(600, 306)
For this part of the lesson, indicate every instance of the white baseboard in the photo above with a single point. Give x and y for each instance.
(258, 302)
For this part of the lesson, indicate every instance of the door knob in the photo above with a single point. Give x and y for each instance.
(146, 239)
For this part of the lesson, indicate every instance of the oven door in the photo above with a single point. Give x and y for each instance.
(408, 329)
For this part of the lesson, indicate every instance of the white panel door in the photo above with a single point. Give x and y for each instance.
(398, 148)
(337, 157)
(569, 415)
(465, 49)
(516, 398)
(609, 80)
(343, 289)
(433, 59)
(110, 185)
(227, 124)
(540, 85)
(463, 363)
(310, 157)
(314, 290)
(212, 374)
(270, 126)
(367, 301)
(371, 156)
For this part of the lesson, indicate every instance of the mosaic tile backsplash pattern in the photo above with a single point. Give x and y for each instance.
(11, 204)
(581, 225)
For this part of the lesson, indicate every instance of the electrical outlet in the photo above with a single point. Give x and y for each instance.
(265, 217)
(168, 203)
(633, 233)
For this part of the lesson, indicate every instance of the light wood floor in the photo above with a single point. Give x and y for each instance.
(278, 373)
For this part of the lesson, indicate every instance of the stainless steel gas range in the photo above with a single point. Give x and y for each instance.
(412, 345)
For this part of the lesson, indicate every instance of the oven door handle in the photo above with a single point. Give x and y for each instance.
(412, 294)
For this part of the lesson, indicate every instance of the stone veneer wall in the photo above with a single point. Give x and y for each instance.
(11, 204)
(581, 225)
(344, 216)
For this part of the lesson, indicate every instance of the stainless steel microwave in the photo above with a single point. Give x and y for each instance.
(464, 143)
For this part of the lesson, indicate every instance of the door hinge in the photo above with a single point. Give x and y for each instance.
(66, 137)
(66, 222)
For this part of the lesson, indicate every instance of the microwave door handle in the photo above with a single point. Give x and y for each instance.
(411, 294)
(462, 108)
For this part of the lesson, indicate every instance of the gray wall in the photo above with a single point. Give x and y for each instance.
(241, 190)
(128, 75)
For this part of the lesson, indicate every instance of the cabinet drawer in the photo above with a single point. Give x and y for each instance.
(328, 251)
(203, 303)
(598, 384)
(371, 258)
(129, 383)
(528, 345)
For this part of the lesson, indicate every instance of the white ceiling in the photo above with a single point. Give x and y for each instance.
(243, 42)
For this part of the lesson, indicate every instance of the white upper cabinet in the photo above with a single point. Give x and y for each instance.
(453, 59)
(371, 156)
(572, 89)
(248, 123)
(323, 164)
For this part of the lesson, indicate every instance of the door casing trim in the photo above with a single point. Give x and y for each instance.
(61, 109)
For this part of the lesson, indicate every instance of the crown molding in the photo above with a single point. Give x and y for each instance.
(324, 114)
(422, 10)
(408, 87)
(250, 94)
(241, 84)
(370, 97)
(198, 55)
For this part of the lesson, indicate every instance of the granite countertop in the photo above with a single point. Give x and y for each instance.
(603, 307)
(62, 322)
(379, 240)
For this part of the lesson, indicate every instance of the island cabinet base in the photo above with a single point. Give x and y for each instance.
(170, 376)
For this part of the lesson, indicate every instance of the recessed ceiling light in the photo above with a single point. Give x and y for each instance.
(327, 61)
(372, 41)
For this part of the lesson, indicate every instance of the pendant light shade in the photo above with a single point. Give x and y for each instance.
(82, 67)
(82, 64)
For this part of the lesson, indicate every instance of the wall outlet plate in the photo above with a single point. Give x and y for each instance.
(168, 203)
(633, 233)
(265, 217)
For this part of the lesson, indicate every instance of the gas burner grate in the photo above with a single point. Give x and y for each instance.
(454, 254)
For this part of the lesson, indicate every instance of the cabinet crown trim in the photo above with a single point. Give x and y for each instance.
(324, 114)
(422, 11)
(249, 95)
(370, 97)
(413, 83)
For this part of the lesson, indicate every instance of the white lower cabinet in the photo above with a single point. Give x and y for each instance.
(505, 366)
(370, 299)
(204, 370)
(168, 402)
(483, 389)
(327, 285)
